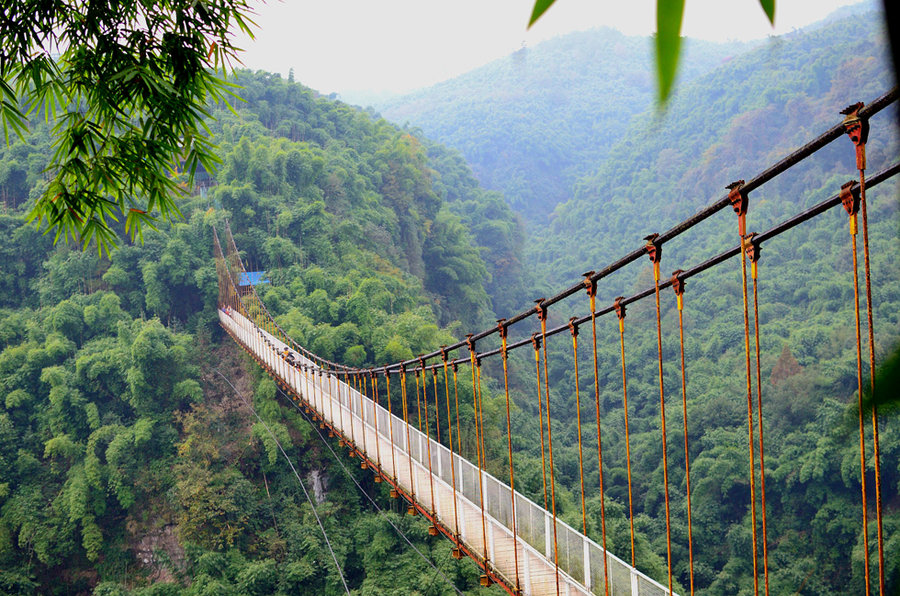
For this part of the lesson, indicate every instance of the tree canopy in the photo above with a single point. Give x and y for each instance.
(125, 85)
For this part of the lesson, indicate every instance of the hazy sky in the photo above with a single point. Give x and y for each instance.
(400, 45)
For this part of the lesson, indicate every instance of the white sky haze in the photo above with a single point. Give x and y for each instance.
(399, 45)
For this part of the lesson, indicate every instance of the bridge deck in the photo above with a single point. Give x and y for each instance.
(402, 453)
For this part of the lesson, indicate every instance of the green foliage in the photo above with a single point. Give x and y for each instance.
(669, 14)
(116, 430)
(112, 435)
(125, 88)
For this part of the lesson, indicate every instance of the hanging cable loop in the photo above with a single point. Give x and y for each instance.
(573, 329)
(678, 288)
(503, 330)
(456, 536)
(590, 285)
(541, 310)
(411, 509)
(857, 128)
(738, 199)
(475, 364)
(851, 201)
(740, 203)
(654, 251)
(620, 309)
(536, 344)
(753, 248)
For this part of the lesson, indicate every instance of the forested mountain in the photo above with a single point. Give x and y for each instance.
(530, 124)
(126, 464)
(727, 125)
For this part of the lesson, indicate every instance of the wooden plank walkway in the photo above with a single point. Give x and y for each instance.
(480, 531)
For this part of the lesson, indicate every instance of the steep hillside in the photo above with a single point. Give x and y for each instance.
(727, 125)
(127, 464)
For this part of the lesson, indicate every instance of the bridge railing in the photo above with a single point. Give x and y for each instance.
(342, 406)
(535, 529)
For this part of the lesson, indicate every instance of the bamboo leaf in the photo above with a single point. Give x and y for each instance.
(669, 15)
(768, 7)
(540, 7)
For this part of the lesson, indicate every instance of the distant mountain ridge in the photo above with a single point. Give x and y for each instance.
(728, 124)
(531, 123)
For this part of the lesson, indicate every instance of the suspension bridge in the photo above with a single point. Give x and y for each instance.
(520, 545)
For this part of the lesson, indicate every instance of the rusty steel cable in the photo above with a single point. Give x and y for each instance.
(456, 400)
(654, 251)
(574, 330)
(512, 482)
(363, 398)
(536, 342)
(620, 313)
(405, 406)
(306, 385)
(360, 382)
(350, 399)
(428, 454)
(542, 316)
(450, 444)
(851, 201)
(678, 287)
(591, 287)
(332, 383)
(739, 201)
(437, 410)
(753, 252)
(857, 128)
(474, 361)
(875, 440)
(419, 397)
(480, 417)
(387, 381)
(374, 378)
(761, 178)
